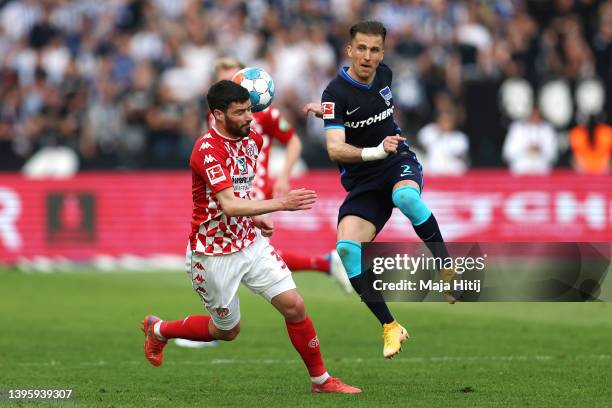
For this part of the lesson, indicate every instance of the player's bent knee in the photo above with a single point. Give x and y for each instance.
(350, 255)
(409, 201)
(228, 335)
(295, 310)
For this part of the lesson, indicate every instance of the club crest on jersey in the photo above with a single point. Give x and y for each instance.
(222, 312)
(242, 165)
(250, 149)
(328, 110)
(386, 94)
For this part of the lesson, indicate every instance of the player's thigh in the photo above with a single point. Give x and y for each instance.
(267, 273)
(216, 280)
(355, 228)
(406, 183)
(405, 171)
(364, 212)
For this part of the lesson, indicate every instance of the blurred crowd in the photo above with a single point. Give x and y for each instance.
(121, 83)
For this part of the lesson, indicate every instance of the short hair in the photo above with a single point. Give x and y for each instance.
(223, 93)
(227, 63)
(368, 27)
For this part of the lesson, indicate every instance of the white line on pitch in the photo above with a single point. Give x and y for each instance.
(434, 359)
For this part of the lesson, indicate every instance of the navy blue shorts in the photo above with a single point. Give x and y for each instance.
(370, 198)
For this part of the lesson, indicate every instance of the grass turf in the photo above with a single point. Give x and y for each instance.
(81, 331)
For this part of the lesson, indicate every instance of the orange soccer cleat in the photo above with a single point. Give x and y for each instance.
(153, 346)
(334, 385)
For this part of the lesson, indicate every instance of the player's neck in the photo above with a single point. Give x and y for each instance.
(221, 131)
(351, 72)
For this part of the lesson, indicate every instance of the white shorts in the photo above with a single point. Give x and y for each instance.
(216, 279)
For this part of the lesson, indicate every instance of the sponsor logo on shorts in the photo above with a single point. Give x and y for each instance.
(198, 266)
(198, 278)
(201, 291)
(222, 312)
(314, 342)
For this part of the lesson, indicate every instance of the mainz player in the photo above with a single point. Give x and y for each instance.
(225, 248)
(271, 124)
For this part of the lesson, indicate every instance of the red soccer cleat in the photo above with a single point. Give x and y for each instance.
(153, 346)
(334, 385)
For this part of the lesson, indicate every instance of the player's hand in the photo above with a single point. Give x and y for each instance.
(301, 199)
(265, 224)
(314, 108)
(391, 143)
(281, 187)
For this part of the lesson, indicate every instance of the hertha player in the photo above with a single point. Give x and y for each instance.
(377, 168)
(225, 248)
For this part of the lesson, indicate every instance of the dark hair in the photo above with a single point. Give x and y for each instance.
(368, 27)
(221, 94)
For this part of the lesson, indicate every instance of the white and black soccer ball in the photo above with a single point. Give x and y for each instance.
(259, 84)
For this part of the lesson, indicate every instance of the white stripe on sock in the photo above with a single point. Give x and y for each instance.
(320, 379)
(156, 330)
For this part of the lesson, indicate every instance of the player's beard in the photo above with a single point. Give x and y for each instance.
(237, 130)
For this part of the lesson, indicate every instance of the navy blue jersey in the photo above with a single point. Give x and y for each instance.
(365, 112)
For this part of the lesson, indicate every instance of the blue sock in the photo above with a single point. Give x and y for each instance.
(350, 254)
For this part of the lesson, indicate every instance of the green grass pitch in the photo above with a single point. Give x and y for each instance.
(82, 331)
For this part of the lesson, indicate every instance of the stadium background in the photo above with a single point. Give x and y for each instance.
(99, 98)
(102, 101)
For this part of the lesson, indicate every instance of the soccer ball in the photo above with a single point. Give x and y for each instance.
(259, 84)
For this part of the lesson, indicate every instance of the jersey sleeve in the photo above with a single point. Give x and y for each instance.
(209, 161)
(258, 139)
(276, 126)
(333, 110)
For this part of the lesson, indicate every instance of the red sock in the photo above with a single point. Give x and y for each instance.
(305, 263)
(306, 342)
(193, 327)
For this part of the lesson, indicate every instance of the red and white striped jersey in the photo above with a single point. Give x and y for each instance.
(218, 163)
(270, 124)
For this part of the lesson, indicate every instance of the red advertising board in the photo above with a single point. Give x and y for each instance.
(143, 213)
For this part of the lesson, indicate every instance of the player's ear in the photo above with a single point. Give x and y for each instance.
(349, 50)
(219, 115)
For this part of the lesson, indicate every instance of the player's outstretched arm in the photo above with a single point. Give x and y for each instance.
(313, 107)
(342, 152)
(295, 200)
